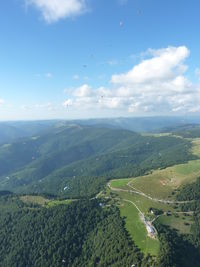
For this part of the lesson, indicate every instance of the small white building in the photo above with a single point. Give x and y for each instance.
(150, 229)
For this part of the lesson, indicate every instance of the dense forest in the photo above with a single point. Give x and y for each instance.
(84, 233)
(190, 191)
(176, 250)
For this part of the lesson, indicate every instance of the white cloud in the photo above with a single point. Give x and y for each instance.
(54, 10)
(157, 85)
(165, 64)
(68, 102)
(83, 91)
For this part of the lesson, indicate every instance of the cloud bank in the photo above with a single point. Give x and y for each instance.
(54, 10)
(157, 85)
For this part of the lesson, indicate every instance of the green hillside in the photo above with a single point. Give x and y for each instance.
(80, 234)
(76, 161)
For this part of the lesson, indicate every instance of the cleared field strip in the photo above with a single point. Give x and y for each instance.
(137, 229)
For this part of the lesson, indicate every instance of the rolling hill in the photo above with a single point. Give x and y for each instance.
(78, 160)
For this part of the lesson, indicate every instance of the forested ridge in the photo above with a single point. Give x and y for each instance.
(176, 250)
(83, 233)
(82, 159)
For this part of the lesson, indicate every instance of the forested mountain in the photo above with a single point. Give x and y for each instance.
(78, 160)
(81, 234)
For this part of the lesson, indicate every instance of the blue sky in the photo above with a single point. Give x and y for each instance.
(99, 58)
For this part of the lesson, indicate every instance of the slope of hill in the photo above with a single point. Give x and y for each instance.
(80, 234)
(76, 160)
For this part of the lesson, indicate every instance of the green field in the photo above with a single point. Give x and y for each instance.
(192, 168)
(160, 184)
(53, 203)
(196, 146)
(121, 183)
(35, 200)
(44, 201)
(144, 203)
(137, 229)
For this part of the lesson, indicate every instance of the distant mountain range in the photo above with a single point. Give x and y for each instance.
(10, 131)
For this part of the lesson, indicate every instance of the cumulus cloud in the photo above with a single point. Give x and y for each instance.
(83, 91)
(1, 101)
(54, 10)
(164, 65)
(157, 85)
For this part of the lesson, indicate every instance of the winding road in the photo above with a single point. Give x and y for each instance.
(136, 191)
(148, 224)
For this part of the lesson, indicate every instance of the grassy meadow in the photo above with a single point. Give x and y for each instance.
(159, 184)
(137, 229)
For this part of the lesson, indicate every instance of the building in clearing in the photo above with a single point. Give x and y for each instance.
(150, 229)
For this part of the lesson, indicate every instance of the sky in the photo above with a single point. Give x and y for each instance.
(69, 59)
